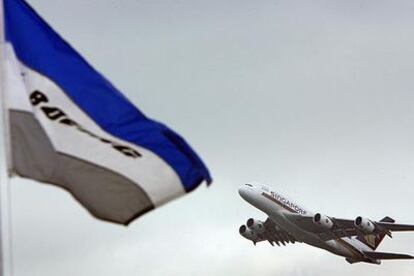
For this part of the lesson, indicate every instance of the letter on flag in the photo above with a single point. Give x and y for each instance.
(70, 127)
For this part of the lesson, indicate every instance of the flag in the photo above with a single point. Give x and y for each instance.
(71, 127)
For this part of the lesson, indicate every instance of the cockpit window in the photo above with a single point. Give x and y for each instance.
(264, 188)
(250, 185)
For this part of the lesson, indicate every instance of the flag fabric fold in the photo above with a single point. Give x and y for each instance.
(71, 127)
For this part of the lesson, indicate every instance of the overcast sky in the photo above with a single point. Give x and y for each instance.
(313, 98)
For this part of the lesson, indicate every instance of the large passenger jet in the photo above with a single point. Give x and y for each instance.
(356, 240)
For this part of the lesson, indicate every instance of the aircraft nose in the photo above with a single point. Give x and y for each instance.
(244, 191)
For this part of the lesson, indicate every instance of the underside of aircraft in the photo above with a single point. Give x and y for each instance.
(287, 222)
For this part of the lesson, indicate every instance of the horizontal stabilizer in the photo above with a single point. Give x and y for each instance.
(387, 256)
(396, 227)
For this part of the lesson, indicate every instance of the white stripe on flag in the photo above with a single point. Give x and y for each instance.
(153, 174)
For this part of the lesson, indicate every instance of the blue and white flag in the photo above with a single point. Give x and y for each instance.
(70, 127)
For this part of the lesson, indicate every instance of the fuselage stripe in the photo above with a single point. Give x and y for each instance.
(279, 203)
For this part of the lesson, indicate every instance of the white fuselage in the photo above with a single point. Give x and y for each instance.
(276, 206)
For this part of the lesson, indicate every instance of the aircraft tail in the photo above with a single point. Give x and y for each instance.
(373, 241)
(387, 256)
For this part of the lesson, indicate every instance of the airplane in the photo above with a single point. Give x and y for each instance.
(288, 222)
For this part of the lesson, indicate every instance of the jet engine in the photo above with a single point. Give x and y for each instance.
(248, 233)
(256, 226)
(364, 224)
(322, 221)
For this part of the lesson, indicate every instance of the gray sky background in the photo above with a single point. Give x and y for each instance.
(313, 98)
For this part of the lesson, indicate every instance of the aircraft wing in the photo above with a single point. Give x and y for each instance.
(396, 227)
(275, 234)
(345, 227)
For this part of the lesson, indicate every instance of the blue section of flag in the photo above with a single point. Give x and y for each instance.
(39, 47)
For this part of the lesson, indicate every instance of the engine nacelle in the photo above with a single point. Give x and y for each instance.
(322, 221)
(247, 233)
(256, 226)
(365, 225)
